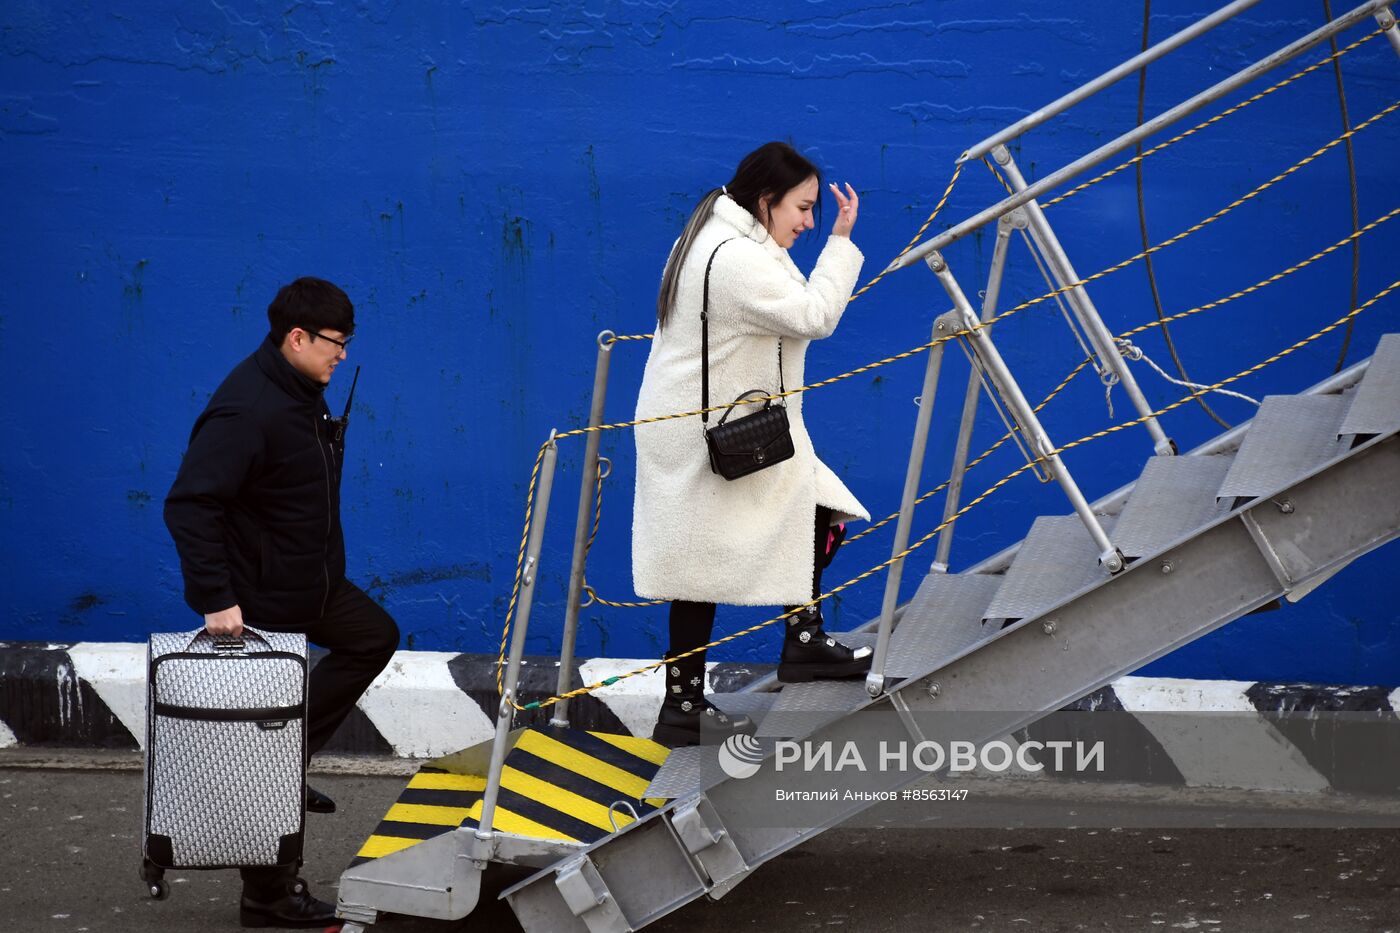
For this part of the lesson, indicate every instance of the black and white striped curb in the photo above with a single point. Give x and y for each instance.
(426, 703)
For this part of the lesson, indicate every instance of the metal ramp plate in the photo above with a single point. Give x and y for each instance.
(1289, 436)
(1375, 408)
(943, 618)
(1174, 495)
(557, 785)
(804, 708)
(1056, 559)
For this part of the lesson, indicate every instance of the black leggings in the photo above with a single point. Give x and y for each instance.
(692, 623)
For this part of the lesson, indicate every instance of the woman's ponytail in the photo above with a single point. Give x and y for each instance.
(670, 279)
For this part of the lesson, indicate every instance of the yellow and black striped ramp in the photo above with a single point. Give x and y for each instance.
(556, 784)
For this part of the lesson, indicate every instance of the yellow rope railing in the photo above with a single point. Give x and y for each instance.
(589, 688)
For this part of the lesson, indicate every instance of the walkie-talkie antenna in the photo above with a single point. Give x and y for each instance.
(345, 418)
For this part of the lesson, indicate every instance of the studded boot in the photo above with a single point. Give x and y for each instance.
(686, 717)
(809, 653)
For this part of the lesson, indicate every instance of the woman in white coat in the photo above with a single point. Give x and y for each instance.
(763, 539)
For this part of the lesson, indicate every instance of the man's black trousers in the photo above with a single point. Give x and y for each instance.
(361, 638)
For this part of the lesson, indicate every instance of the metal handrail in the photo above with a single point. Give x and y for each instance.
(1131, 138)
(1088, 316)
(574, 601)
(505, 714)
(973, 393)
(1112, 76)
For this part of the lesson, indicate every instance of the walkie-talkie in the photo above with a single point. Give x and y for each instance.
(344, 420)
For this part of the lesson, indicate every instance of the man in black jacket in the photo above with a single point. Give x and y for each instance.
(255, 514)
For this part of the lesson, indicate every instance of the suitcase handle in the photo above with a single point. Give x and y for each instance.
(229, 642)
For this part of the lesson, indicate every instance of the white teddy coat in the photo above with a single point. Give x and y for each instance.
(695, 535)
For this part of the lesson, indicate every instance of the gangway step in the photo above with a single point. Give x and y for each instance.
(695, 768)
(1289, 436)
(942, 621)
(753, 705)
(1174, 496)
(1056, 560)
(803, 708)
(1375, 408)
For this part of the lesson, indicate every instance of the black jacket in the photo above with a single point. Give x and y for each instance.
(255, 509)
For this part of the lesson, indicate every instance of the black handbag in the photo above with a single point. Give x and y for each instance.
(753, 442)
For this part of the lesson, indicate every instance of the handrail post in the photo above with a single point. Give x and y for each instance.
(1386, 19)
(506, 712)
(1110, 558)
(875, 679)
(1088, 316)
(582, 529)
(1016, 220)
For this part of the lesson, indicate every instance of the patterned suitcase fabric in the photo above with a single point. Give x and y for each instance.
(225, 748)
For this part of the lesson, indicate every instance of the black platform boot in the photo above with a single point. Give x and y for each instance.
(809, 653)
(686, 717)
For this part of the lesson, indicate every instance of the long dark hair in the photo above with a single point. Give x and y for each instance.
(772, 169)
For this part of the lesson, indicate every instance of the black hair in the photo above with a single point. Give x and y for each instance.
(770, 171)
(313, 305)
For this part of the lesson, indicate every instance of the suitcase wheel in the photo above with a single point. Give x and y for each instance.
(154, 876)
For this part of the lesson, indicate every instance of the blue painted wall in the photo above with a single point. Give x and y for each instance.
(495, 184)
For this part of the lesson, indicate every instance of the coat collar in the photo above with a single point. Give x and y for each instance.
(275, 366)
(729, 211)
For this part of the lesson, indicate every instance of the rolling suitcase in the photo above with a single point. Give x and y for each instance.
(225, 752)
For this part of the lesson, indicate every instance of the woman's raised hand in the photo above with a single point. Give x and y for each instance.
(850, 206)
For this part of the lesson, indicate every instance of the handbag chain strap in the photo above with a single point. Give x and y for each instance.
(705, 343)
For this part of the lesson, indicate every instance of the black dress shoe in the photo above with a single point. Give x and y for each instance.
(318, 802)
(809, 653)
(294, 907)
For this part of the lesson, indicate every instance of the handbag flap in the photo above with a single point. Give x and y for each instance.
(766, 430)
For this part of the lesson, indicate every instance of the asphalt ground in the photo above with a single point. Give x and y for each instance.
(71, 850)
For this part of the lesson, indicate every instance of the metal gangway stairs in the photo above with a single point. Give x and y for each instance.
(1267, 510)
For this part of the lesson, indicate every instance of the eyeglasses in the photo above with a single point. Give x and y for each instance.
(343, 344)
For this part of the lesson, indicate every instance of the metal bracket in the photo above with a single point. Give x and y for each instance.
(1266, 549)
(951, 322)
(702, 832)
(906, 717)
(1112, 561)
(587, 896)
(1014, 220)
(1385, 19)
